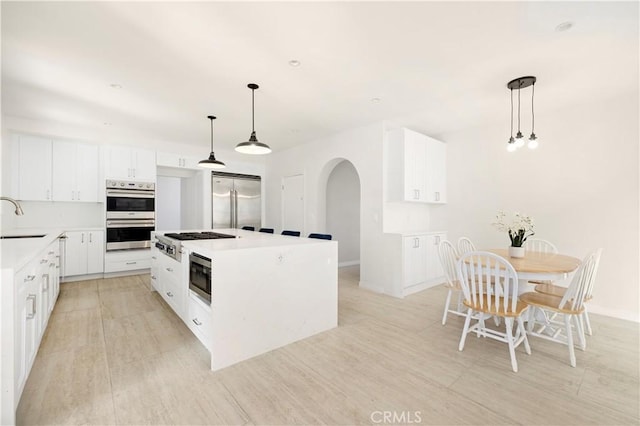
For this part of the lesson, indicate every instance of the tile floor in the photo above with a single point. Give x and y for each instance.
(114, 353)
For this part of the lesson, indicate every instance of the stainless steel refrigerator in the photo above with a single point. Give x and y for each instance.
(236, 200)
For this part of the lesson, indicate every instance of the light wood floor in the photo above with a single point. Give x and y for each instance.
(114, 353)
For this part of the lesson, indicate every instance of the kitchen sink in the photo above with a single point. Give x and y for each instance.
(4, 237)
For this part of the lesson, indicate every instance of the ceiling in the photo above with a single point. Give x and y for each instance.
(434, 66)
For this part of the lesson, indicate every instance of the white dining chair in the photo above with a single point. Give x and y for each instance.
(465, 245)
(448, 258)
(561, 316)
(479, 274)
(537, 244)
(559, 291)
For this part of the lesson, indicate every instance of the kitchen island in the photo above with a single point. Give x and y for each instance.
(267, 291)
(29, 268)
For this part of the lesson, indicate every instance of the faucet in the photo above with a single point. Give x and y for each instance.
(19, 211)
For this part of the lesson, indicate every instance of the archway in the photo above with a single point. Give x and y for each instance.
(342, 212)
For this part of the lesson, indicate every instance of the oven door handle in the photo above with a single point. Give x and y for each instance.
(131, 223)
(130, 194)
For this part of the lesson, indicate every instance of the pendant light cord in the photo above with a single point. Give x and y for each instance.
(533, 116)
(211, 119)
(518, 108)
(253, 113)
(511, 134)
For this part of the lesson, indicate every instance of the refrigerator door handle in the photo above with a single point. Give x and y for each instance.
(231, 207)
(235, 209)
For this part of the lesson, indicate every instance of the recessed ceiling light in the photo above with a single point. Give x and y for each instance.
(294, 130)
(564, 26)
(115, 86)
(375, 100)
(294, 63)
(106, 123)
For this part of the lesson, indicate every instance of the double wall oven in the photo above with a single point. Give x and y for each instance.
(130, 214)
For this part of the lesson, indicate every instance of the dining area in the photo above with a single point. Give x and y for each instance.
(519, 295)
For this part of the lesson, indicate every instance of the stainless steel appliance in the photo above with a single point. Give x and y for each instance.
(130, 214)
(170, 243)
(236, 200)
(200, 276)
(130, 200)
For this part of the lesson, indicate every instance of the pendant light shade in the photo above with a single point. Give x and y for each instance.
(253, 146)
(211, 162)
(519, 141)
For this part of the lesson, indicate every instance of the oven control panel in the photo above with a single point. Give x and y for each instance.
(121, 184)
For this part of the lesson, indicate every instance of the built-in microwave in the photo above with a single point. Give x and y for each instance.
(200, 276)
(130, 200)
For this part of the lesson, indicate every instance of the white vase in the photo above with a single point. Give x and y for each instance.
(516, 251)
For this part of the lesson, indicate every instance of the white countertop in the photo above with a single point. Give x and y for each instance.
(17, 252)
(247, 240)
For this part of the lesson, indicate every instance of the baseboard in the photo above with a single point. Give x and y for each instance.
(106, 275)
(613, 313)
(80, 278)
(348, 263)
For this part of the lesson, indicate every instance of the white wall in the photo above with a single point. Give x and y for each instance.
(343, 211)
(363, 148)
(581, 187)
(168, 203)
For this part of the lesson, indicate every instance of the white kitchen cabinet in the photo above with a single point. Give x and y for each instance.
(84, 253)
(416, 167)
(436, 173)
(155, 267)
(33, 159)
(198, 319)
(130, 163)
(166, 159)
(127, 260)
(172, 283)
(75, 171)
(420, 262)
(28, 324)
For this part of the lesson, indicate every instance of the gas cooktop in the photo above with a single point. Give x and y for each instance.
(186, 236)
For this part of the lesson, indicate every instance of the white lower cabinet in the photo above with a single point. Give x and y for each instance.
(84, 253)
(199, 319)
(37, 288)
(421, 267)
(127, 260)
(173, 286)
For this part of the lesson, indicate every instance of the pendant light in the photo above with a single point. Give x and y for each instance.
(253, 146)
(518, 142)
(211, 162)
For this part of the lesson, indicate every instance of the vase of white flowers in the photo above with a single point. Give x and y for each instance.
(519, 230)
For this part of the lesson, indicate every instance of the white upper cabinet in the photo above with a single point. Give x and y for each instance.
(166, 159)
(130, 163)
(436, 173)
(416, 167)
(75, 172)
(33, 158)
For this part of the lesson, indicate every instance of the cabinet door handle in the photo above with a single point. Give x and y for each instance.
(196, 322)
(153, 257)
(43, 261)
(78, 195)
(51, 252)
(416, 242)
(82, 238)
(90, 237)
(30, 278)
(437, 196)
(169, 269)
(32, 315)
(169, 294)
(134, 172)
(131, 263)
(45, 278)
(48, 194)
(153, 277)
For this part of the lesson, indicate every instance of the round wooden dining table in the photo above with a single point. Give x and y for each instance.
(539, 266)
